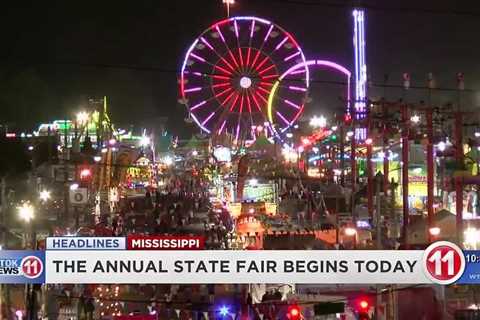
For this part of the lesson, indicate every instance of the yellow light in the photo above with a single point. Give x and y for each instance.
(82, 117)
(26, 212)
(270, 100)
(44, 195)
(472, 238)
(434, 231)
(350, 232)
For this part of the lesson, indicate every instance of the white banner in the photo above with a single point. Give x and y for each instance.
(286, 266)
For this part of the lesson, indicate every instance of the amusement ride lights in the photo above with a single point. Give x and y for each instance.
(229, 70)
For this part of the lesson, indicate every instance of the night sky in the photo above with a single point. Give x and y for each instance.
(57, 54)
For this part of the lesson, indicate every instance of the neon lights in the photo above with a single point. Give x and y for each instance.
(222, 69)
(268, 33)
(281, 43)
(291, 56)
(193, 89)
(235, 28)
(261, 63)
(234, 102)
(297, 88)
(197, 57)
(270, 101)
(302, 67)
(228, 98)
(220, 33)
(360, 64)
(198, 105)
(270, 76)
(219, 85)
(206, 43)
(223, 92)
(290, 103)
(283, 118)
(198, 123)
(266, 69)
(216, 76)
(299, 71)
(222, 126)
(240, 54)
(263, 89)
(252, 18)
(208, 118)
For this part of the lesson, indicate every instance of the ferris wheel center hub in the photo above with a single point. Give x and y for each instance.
(245, 82)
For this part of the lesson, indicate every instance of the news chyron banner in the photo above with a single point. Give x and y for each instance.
(177, 260)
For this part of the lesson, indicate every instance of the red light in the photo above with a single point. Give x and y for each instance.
(85, 173)
(294, 312)
(363, 304)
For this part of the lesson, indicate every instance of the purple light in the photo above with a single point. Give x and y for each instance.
(197, 57)
(193, 89)
(297, 88)
(291, 56)
(220, 33)
(236, 28)
(283, 118)
(206, 43)
(198, 123)
(296, 106)
(208, 118)
(360, 65)
(281, 43)
(198, 105)
(268, 33)
(298, 71)
(335, 66)
(222, 126)
(197, 73)
(252, 28)
(253, 18)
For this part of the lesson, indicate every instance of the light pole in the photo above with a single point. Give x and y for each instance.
(26, 213)
(352, 232)
(228, 3)
(44, 195)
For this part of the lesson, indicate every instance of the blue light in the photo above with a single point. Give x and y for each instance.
(223, 311)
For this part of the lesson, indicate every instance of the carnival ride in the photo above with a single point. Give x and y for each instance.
(229, 71)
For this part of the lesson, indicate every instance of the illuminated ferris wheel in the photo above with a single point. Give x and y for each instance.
(229, 71)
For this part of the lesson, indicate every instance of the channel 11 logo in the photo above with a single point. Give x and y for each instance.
(443, 262)
(31, 267)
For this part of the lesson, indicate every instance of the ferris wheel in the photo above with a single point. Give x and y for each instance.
(229, 71)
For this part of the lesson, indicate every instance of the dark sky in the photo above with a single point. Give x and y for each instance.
(54, 54)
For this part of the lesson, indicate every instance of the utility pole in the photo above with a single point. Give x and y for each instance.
(65, 175)
(370, 182)
(430, 172)
(405, 154)
(378, 240)
(458, 179)
(342, 156)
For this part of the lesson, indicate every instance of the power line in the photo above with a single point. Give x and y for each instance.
(396, 9)
(174, 71)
